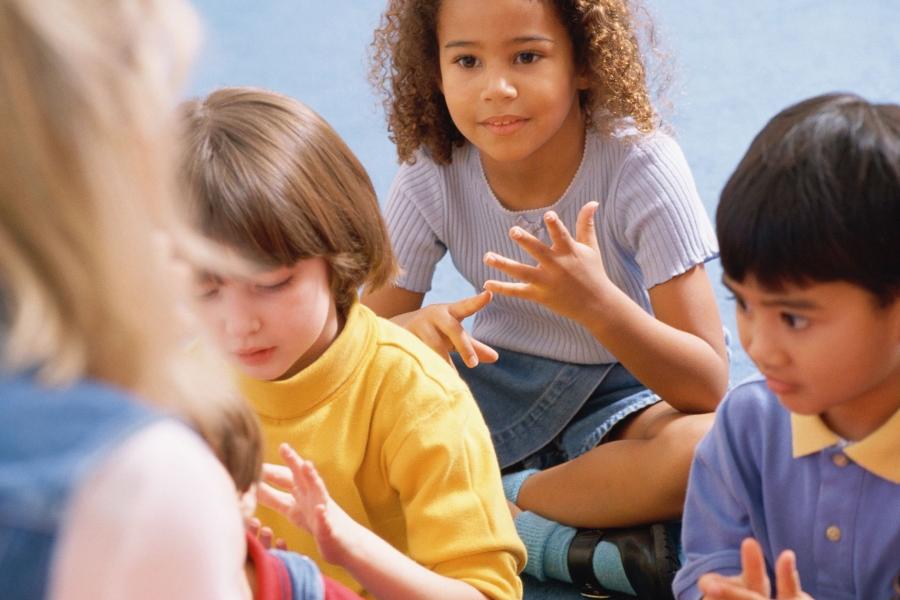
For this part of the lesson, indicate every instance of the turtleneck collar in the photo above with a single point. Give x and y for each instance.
(320, 381)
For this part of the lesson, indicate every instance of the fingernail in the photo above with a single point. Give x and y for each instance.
(489, 257)
(549, 217)
(515, 232)
(473, 361)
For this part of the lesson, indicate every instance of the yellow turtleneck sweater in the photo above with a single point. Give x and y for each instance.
(402, 447)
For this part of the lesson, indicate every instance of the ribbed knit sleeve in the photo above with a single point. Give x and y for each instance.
(662, 221)
(651, 226)
(415, 218)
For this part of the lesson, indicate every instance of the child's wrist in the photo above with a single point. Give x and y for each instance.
(600, 310)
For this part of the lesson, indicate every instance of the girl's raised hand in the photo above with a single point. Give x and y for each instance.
(753, 582)
(440, 327)
(308, 505)
(569, 277)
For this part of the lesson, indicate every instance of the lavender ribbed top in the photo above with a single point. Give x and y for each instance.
(651, 227)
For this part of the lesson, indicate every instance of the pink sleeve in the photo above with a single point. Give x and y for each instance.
(158, 519)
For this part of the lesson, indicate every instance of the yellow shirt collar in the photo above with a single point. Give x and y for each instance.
(292, 397)
(878, 453)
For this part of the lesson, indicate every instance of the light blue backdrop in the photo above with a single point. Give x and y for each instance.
(737, 62)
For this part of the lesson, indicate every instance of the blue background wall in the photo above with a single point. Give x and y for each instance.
(736, 63)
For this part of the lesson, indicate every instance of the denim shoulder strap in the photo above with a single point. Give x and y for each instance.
(50, 438)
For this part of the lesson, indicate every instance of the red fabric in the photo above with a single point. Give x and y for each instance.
(273, 582)
(336, 591)
(272, 579)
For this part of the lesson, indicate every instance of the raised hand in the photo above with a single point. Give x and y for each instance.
(440, 326)
(753, 582)
(308, 505)
(264, 534)
(569, 277)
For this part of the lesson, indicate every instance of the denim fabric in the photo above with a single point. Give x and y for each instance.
(556, 409)
(306, 579)
(49, 441)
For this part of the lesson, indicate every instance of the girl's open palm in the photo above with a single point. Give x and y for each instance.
(569, 277)
(308, 505)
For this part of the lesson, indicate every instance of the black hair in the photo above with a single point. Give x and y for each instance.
(816, 198)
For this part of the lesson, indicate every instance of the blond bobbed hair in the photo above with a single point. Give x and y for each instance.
(87, 92)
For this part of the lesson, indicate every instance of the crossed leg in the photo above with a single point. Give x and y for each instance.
(638, 475)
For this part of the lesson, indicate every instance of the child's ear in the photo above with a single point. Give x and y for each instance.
(247, 502)
(894, 317)
(582, 78)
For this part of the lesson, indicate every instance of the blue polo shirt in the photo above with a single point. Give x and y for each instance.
(791, 483)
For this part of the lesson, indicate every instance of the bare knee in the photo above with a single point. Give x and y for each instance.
(687, 430)
(677, 441)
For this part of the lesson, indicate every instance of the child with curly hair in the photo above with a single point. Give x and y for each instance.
(517, 121)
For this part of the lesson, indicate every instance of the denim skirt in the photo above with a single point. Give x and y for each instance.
(542, 412)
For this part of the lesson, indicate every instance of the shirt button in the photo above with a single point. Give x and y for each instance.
(833, 533)
(840, 460)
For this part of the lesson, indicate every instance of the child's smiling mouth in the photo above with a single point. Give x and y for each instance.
(504, 124)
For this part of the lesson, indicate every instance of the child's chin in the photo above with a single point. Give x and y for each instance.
(262, 372)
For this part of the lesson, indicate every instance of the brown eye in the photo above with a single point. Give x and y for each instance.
(466, 62)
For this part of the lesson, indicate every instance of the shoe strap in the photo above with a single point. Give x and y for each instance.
(580, 560)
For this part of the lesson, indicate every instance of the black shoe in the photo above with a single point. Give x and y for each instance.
(649, 556)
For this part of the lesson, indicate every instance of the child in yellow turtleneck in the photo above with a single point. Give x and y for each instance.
(393, 431)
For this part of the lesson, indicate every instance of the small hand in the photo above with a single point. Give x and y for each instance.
(753, 583)
(264, 534)
(569, 277)
(440, 327)
(309, 506)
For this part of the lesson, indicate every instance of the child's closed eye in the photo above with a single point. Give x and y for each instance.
(206, 285)
(274, 287)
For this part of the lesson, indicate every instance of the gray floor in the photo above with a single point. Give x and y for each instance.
(737, 62)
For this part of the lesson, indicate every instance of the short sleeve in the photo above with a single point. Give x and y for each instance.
(447, 476)
(661, 218)
(414, 215)
(158, 519)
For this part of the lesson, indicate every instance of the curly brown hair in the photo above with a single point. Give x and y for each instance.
(605, 37)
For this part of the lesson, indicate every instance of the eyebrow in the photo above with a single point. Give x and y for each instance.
(785, 302)
(204, 276)
(517, 40)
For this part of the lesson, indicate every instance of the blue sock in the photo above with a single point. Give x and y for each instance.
(534, 531)
(512, 483)
(547, 543)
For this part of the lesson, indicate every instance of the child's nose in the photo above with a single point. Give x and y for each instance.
(499, 86)
(238, 321)
(763, 347)
(240, 326)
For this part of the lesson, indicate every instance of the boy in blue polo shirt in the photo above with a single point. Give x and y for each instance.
(799, 479)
